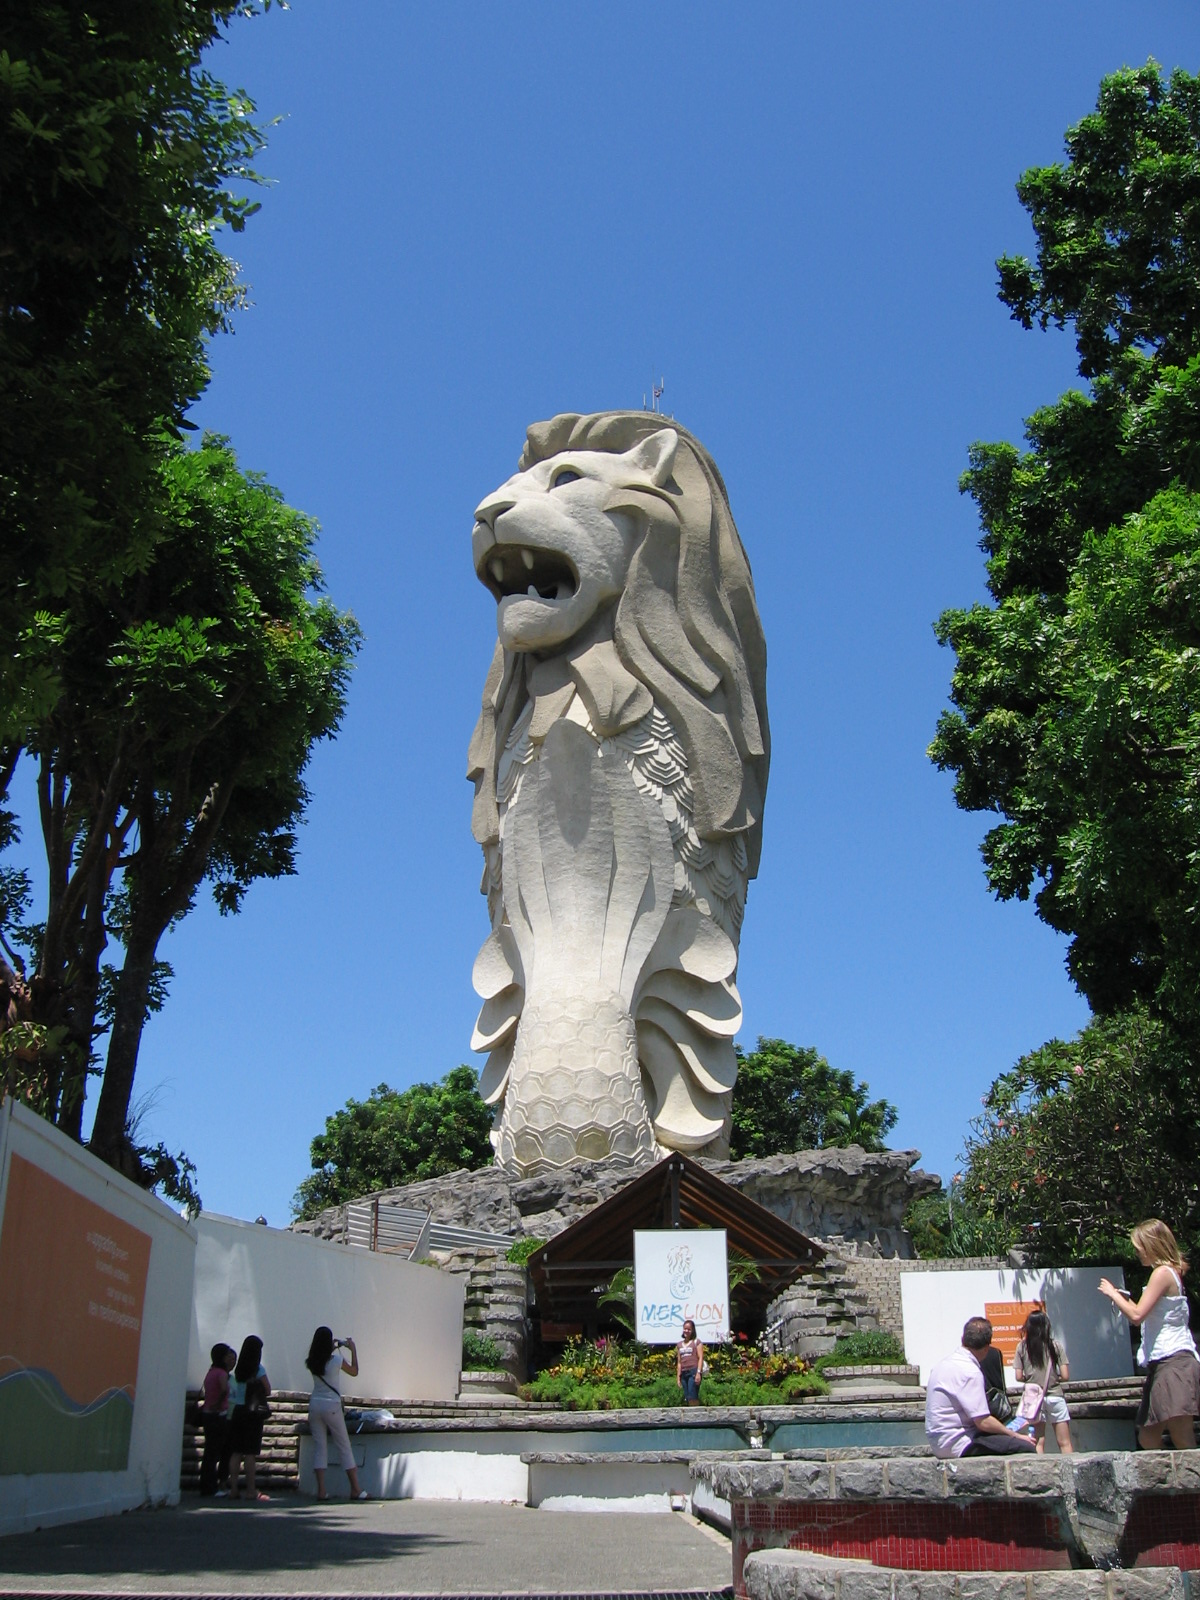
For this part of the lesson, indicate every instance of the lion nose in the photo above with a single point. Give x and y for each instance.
(487, 511)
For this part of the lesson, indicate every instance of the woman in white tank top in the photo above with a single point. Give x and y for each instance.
(1171, 1394)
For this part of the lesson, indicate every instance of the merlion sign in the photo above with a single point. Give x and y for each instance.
(680, 1275)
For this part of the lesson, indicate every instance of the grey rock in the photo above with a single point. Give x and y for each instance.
(1150, 1583)
(925, 1586)
(849, 1199)
(976, 1479)
(800, 1575)
(807, 1480)
(992, 1586)
(760, 1481)
(858, 1480)
(1067, 1586)
(916, 1480)
(1035, 1476)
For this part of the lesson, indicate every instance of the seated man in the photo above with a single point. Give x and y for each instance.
(957, 1419)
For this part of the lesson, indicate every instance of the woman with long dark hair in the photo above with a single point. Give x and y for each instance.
(1171, 1393)
(249, 1388)
(325, 1419)
(1039, 1360)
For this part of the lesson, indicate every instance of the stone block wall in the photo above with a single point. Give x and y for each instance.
(878, 1282)
(495, 1303)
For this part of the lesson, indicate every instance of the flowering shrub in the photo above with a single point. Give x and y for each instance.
(609, 1374)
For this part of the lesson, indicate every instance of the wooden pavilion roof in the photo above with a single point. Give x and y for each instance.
(570, 1270)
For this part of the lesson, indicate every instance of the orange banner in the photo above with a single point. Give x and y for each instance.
(1007, 1318)
(74, 1280)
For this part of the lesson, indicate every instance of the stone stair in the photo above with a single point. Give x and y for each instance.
(809, 1318)
(279, 1461)
(496, 1305)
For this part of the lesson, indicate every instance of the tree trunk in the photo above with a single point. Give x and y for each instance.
(112, 1114)
(81, 1015)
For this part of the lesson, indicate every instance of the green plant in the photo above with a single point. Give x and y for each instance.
(396, 1137)
(952, 1224)
(618, 1300)
(1073, 720)
(609, 1374)
(1083, 1138)
(866, 1348)
(788, 1098)
(520, 1250)
(479, 1353)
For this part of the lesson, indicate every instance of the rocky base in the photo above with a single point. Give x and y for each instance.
(852, 1201)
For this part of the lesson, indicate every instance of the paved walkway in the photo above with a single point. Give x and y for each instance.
(386, 1547)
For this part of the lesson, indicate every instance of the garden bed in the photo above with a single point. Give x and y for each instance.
(608, 1374)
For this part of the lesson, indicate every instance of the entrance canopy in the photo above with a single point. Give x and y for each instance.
(570, 1270)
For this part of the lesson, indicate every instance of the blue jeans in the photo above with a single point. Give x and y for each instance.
(690, 1383)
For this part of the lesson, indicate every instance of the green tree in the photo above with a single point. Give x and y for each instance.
(1083, 1139)
(395, 1137)
(787, 1098)
(193, 698)
(120, 160)
(1075, 714)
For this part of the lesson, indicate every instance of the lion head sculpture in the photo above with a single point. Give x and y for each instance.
(620, 768)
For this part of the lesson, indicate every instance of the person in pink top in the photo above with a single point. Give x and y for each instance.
(957, 1419)
(214, 1419)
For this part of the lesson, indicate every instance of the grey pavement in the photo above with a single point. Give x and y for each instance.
(385, 1547)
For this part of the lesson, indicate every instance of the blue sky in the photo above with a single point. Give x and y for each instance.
(482, 215)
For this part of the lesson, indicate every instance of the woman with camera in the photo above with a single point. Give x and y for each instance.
(327, 1363)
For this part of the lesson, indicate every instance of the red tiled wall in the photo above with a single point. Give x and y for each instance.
(976, 1537)
(1163, 1530)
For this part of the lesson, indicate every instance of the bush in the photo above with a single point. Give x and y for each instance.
(520, 1251)
(867, 1348)
(611, 1375)
(947, 1226)
(479, 1353)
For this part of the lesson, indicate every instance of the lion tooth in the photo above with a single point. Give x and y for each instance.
(532, 592)
(527, 558)
(496, 568)
(563, 590)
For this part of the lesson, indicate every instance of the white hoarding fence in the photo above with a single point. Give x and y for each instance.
(681, 1274)
(405, 1318)
(1090, 1331)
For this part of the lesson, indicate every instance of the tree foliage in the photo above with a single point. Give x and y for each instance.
(787, 1098)
(120, 159)
(1083, 1139)
(395, 1137)
(1074, 691)
(172, 660)
(193, 696)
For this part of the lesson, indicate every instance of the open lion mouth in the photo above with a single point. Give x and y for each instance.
(514, 569)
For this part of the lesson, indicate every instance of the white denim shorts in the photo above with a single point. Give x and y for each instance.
(1054, 1410)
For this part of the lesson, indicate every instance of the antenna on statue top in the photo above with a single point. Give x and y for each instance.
(657, 390)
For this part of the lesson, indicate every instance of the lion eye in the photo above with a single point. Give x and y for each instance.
(565, 475)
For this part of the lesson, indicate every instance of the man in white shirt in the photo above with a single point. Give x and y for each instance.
(957, 1419)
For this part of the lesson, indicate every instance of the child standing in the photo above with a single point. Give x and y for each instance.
(1039, 1360)
(214, 1419)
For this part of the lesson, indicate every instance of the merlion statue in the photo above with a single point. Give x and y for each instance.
(620, 766)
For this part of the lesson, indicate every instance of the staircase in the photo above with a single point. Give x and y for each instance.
(809, 1318)
(495, 1307)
